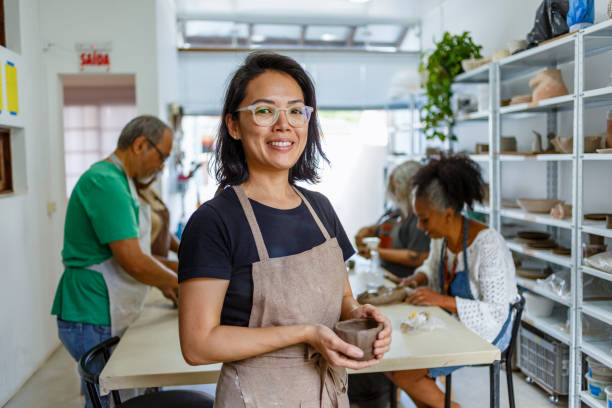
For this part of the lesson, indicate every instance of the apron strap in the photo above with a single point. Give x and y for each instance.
(262, 251)
(314, 214)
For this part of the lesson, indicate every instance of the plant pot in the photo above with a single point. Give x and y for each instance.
(361, 333)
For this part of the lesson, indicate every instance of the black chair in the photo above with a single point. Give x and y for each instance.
(162, 399)
(506, 355)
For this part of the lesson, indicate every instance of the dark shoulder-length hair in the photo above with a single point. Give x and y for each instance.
(230, 163)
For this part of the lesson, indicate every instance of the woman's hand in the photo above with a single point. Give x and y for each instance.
(411, 282)
(336, 351)
(364, 232)
(427, 297)
(383, 340)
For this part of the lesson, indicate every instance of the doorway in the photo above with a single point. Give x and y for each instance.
(96, 108)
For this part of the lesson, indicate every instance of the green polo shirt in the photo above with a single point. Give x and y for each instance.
(100, 210)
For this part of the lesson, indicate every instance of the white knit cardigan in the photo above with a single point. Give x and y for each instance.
(492, 281)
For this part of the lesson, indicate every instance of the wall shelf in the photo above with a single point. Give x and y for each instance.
(533, 286)
(599, 309)
(554, 53)
(549, 325)
(601, 351)
(535, 157)
(596, 272)
(543, 219)
(590, 401)
(544, 255)
(574, 51)
(564, 102)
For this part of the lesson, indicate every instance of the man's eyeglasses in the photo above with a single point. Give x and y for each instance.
(267, 115)
(162, 157)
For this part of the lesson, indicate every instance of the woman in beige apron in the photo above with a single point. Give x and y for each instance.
(288, 355)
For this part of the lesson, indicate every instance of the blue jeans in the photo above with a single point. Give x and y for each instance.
(78, 338)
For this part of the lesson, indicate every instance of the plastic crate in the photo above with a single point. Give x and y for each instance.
(545, 360)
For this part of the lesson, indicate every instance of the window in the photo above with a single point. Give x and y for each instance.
(90, 134)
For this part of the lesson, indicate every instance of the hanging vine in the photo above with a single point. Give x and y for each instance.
(442, 66)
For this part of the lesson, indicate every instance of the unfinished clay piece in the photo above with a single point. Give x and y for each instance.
(384, 295)
(361, 333)
(520, 99)
(536, 145)
(561, 211)
(546, 84)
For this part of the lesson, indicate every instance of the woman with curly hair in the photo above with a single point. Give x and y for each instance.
(469, 271)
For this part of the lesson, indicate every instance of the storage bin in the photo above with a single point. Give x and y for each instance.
(596, 387)
(545, 360)
(609, 396)
(598, 370)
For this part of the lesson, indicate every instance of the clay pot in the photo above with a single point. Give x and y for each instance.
(507, 144)
(561, 211)
(361, 333)
(547, 84)
(482, 148)
(515, 46)
(566, 144)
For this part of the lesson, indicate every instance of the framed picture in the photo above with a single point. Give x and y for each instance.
(6, 174)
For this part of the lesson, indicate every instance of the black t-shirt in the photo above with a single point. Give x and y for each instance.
(217, 243)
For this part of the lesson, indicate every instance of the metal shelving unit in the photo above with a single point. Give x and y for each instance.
(572, 49)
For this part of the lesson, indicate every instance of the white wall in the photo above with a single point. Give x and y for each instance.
(31, 241)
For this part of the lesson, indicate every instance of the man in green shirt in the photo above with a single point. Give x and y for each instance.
(108, 270)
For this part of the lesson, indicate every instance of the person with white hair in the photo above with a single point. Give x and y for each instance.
(409, 245)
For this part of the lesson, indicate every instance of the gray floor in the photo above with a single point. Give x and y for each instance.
(56, 384)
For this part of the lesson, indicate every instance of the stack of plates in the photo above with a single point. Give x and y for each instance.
(536, 239)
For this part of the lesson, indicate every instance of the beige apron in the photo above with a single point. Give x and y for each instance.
(126, 295)
(305, 288)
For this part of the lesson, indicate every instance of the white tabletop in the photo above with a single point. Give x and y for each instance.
(149, 353)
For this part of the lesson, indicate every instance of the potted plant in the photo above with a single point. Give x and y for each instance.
(441, 67)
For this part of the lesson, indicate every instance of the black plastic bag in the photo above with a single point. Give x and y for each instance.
(550, 22)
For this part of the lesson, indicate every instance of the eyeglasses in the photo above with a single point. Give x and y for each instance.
(266, 115)
(162, 157)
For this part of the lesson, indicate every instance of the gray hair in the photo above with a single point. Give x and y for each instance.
(400, 184)
(148, 126)
(435, 195)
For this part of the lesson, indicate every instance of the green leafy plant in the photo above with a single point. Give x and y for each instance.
(442, 66)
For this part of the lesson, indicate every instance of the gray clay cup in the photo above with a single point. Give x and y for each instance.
(361, 333)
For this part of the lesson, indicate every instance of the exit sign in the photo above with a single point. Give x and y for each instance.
(94, 57)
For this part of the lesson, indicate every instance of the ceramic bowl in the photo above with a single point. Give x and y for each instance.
(361, 333)
(470, 64)
(537, 306)
(536, 205)
(533, 235)
(515, 46)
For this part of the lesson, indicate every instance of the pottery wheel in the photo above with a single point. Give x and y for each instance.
(384, 295)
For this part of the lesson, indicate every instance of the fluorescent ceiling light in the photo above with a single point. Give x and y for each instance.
(359, 1)
(328, 37)
(257, 38)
